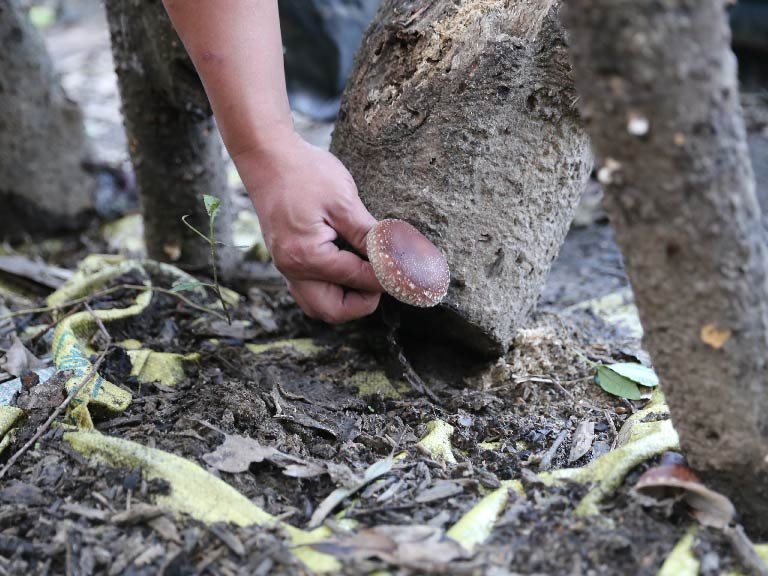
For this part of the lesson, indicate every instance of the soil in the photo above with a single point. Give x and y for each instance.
(57, 511)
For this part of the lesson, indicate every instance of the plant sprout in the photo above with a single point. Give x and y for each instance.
(212, 206)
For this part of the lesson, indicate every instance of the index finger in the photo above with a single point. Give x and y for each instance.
(330, 303)
(344, 268)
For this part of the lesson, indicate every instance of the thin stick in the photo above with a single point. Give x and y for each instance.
(107, 291)
(546, 460)
(614, 432)
(53, 324)
(393, 323)
(42, 429)
(745, 550)
(181, 297)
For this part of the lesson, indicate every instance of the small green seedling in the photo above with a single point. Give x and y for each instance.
(624, 379)
(212, 206)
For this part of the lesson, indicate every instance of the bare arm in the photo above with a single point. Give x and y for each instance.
(304, 196)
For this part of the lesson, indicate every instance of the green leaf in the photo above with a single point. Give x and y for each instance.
(636, 372)
(186, 286)
(42, 16)
(616, 384)
(212, 205)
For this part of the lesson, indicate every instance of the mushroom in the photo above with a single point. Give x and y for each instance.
(709, 507)
(407, 264)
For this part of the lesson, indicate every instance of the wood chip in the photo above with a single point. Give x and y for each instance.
(86, 512)
(440, 490)
(137, 514)
(229, 538)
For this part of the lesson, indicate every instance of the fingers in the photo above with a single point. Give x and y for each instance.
(345, 268)
(325, 262)
(330, 303)
(351, 220)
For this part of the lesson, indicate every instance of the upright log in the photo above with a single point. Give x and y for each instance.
(176, 153)
(459, 117)
(43, 186)
(658, 90)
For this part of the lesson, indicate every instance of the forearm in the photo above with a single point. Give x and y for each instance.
(237, 50)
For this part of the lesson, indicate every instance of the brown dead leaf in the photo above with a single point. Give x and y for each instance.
(419, 547)
(43, 394)
(39, 272)
(582, 440)
(713, 336)
(18, 359)
(237, 453)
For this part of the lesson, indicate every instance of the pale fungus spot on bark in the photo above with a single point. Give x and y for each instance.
(637, 124)
(608, 170)
(713, 336)
(173, 251)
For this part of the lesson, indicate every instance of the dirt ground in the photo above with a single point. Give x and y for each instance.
(331, 404)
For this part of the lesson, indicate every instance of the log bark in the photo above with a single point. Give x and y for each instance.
(174, 146)
(658, 90)
(43, 186)
(459, 117)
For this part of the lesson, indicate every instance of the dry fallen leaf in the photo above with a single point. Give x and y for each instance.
(713, 336)
(237, 453)
(582, 440)
(18, 359)
(374, 471)
(419, 547)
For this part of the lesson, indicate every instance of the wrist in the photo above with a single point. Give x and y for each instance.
(264, 142)
(267, 159)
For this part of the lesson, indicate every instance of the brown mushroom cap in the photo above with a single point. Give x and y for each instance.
(407, 264)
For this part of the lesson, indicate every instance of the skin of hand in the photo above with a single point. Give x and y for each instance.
(303, 195)
(306, 199)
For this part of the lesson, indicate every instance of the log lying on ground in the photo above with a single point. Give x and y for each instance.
(175, 149)
(43, 186)
(658, 91)
(459, 117)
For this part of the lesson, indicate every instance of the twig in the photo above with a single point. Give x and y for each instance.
(546, 460)
(414, 379)
(181, 297)
(53, 324)
(42, 429)
(613, 429)
(106, 291)
(391, 318)
(745, 550)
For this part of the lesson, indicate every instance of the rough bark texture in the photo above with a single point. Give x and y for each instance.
(459, 118)
(172, 139)
(658, 89)
(43, 187)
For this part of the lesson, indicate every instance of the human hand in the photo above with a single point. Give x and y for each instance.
(306, 199)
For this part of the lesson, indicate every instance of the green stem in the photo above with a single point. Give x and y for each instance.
(214, 263)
